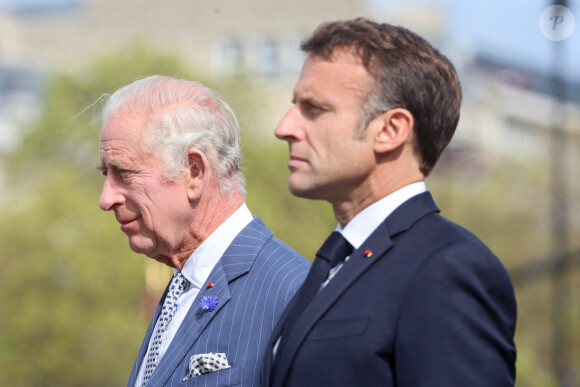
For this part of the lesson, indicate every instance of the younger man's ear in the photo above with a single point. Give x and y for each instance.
(392, 129)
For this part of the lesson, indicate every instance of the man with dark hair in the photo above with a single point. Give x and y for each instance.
(397, 295)
(171, 157)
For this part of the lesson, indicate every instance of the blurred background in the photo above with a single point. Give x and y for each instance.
(75, 301)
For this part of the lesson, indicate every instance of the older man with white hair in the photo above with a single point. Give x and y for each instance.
(170, 154)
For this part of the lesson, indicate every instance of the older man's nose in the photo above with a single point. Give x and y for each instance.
(111, 195)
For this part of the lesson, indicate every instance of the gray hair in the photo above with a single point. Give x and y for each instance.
(182, 115)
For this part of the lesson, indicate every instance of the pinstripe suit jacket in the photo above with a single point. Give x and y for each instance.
(254, 280)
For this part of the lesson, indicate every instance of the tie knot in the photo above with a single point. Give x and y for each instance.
(178, 283)
(335, 249)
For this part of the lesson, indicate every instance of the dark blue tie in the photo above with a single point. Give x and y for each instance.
(334, 250)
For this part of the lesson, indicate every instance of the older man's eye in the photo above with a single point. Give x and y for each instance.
(124, 173)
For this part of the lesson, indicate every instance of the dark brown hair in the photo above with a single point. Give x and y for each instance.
(409, 74)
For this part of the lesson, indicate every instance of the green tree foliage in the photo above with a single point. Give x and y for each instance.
(72, 293)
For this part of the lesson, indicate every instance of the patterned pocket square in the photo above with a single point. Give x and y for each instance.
(206, 363)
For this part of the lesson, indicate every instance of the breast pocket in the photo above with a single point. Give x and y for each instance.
(330, 329)
(226, 377)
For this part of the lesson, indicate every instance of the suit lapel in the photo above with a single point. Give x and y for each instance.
(276, 333)
(236, 261)
(379, 243)
(352, 269)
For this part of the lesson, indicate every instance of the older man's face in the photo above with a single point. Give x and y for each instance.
(152, 212)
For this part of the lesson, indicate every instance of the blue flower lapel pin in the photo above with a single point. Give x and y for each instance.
(209, 303)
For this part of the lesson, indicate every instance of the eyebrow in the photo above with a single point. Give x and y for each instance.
(306, 95)
(103, 166)
(308, 99)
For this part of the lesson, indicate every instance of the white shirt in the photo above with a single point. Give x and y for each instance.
(364, 223)
(196, 270)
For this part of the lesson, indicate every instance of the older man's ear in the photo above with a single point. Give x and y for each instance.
(197, 175)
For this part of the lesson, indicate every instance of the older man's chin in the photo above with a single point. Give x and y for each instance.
(140, 246)
(148, 247)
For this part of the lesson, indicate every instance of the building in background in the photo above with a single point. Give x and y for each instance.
(259, 38)
(220, 38)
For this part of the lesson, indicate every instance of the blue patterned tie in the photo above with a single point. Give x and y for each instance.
(176, 288)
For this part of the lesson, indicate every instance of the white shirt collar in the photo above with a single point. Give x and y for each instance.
(364, 223)
(200, 264)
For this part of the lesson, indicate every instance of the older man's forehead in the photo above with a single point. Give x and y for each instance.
(118, 151)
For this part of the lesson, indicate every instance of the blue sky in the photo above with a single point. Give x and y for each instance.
(508, 30)
(26, 3)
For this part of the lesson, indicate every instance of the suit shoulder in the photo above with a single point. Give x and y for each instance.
(282, 264)
(448, 249)
(280, 270)
(274, 249)
(450, 235)
(455, 255)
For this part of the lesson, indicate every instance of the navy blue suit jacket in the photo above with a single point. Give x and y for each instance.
(432, 306)
(253, 281)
